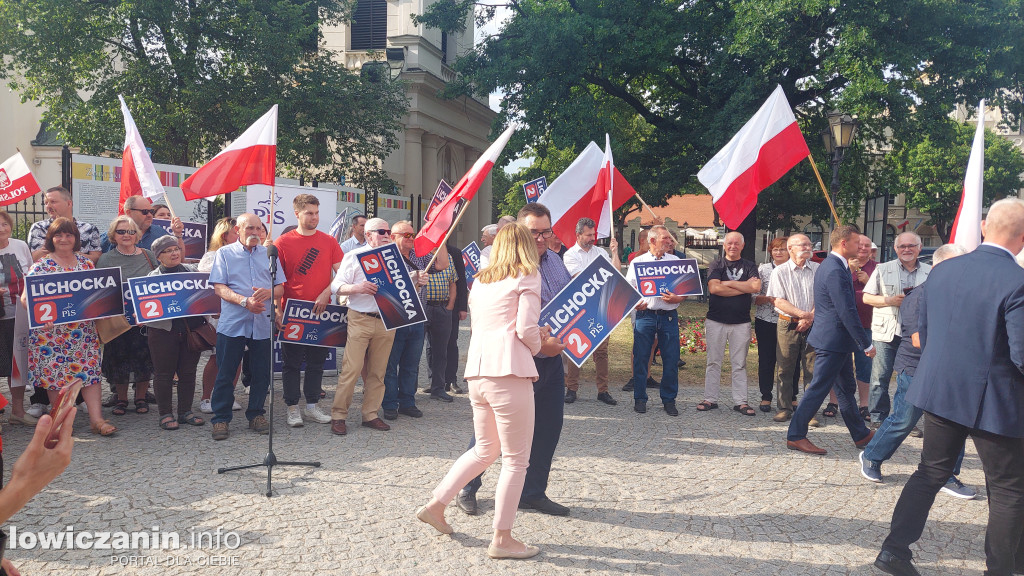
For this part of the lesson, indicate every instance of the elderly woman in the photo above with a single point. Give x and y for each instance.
(224, 233)
(766, 322)
(15, 259)
(168, 344)
(59, 354)
(127, 356)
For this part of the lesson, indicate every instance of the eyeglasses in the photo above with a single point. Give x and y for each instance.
(907, 246)
(144, 211)
(403, 235)
(544, 234)
(125, 232)
(171, 250)
(382, 231)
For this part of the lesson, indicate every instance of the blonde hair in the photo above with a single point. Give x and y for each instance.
(220, 231)
(513, 253)
(128, 223)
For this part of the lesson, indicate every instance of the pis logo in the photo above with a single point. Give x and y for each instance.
(371, 264)
(5, 180)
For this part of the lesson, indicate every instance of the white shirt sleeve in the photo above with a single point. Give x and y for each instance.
(872, 285)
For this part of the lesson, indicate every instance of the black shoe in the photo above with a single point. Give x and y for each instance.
(640, 406)
(455, 388)
(890, 564)
(570, 396)
(682, 363)
(629, 386)
(652, 383)
(410, 411)
(607, 398)
(441, 395)
(466, 501)
(112, 401)
(670, 408)
(390, 414)
(544, 505)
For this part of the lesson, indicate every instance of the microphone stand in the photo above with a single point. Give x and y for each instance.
(270, 460)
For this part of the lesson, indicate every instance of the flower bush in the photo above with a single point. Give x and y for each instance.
(691, 337)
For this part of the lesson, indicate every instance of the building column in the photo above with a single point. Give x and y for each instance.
(480, 217)
(431, 142)
(413, 162)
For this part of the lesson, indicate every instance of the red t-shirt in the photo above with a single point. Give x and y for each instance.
(307, 262)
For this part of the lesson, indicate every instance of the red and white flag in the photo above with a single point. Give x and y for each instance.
(966, 230)
(441, 218)
(16, 180)
(767, 146)
(138, 176)
(577, 193)
(252, 159)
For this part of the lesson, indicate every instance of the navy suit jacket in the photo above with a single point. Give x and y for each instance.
(972, 332)
(836, 326)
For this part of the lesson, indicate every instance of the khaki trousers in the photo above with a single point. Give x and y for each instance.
(367, 338)
(792, 353)
(572, 381)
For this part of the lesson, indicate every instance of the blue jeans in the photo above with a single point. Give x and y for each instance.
(862, 364)
(897, 426)
(665, 325)
(403, 368)
(881, 374)
(230, 350)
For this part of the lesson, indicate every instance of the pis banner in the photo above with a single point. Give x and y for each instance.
(534, 188)
(397, 300)
(585, 313)
(302, 326)
(443, 189)
(169, 296)
(194, 236)
(676, 276)
(65, 297)
(471, 258)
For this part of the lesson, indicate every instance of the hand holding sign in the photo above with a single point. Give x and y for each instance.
(177, 227)
(550, 346)
(364, 288)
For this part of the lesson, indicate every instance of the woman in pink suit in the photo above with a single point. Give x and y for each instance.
(505, 311)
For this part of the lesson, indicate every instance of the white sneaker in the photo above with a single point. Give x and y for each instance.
(36, 410)
(316, 415)
(294, 417)
(82, 408)
(205, 407)
(236, 406)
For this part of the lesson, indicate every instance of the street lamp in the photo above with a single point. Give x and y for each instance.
(686, 237)
(837, 138)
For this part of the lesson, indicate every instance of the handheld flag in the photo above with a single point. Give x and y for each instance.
(138, 176)
(252, 159)
(966, 230)
(16, 180)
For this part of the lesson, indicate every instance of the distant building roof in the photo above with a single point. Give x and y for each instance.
(694, 209)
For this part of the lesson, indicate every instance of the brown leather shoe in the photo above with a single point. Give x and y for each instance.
(804, 445)
(338, 427)
(865, 440)
(377, 424)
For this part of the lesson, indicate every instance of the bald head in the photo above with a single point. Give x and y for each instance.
(733, 246)
(249, 227)
(1004, 224)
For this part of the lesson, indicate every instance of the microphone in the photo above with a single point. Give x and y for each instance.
(272, 251)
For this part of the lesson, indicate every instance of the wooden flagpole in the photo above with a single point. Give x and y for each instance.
(645, 205)
(444, 240)
(273, 207)
(828, 198)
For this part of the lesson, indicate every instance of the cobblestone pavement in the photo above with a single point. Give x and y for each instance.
(704, 493)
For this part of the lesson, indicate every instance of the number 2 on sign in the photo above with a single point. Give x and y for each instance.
(45, 312)
(293, 332)
(152, 309)
(579, 343)
(648, 288)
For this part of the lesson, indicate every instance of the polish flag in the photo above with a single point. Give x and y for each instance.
(251, 159)
(16, 180)
(441, 218)
(583, 192)
(138, 176)
(767, 146)
(966, 230)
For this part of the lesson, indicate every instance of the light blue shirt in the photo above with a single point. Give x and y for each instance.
(241, 270)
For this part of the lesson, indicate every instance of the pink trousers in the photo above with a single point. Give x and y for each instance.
(503, 416)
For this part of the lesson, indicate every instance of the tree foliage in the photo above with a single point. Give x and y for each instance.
(196, 73)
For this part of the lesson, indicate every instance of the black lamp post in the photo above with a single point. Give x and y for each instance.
(686, 237)
(837, 138)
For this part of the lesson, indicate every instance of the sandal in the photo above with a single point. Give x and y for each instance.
(120, 408)
(865, 414)
(830, 410)
(744, 409)
(167, 422)
(104, 429)
(705, 406)
(190, 418)
(141, 406)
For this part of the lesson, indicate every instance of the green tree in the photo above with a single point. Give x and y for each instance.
(196, 73)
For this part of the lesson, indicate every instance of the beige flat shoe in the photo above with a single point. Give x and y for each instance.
(499, 553)
(439, 524)
(26, 420)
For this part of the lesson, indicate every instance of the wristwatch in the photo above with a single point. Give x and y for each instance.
(244, 303)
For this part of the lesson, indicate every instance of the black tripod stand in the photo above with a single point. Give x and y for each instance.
(270, 460)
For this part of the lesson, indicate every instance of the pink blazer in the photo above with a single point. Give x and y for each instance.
(505, 330)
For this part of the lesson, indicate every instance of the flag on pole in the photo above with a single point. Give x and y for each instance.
(443, 216)
(576, 193)
(138, 176)
(605, 185)
(966, 230)
(338, 226)
(252, 159)
(767, 146)
(16, 180)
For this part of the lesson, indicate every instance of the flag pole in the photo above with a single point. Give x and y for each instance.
(170, 206)
(828, 198)
(444, 240)
(653, 215)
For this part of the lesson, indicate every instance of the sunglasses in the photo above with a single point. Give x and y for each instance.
(144, 211)
(404, 235)
(382, 232)
(125, 232)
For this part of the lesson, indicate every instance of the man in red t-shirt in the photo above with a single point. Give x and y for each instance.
(309, 259)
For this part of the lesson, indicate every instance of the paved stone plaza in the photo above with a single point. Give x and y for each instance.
(704, 493)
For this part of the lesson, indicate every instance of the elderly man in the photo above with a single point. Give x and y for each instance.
(487, 234)
(241, 278)
(576, 259)
(792, 288)
(885, 290)
(732, 283)
(58, 204)
(358, 237)
(141, 211)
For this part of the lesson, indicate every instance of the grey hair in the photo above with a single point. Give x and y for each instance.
(947, 251)
(490, 229)
(583, 224)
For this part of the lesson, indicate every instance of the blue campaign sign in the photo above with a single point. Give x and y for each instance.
(397, 300)
(471, 258)
(443, 189)
(534, 188)
(64, 297)
(169, 296)
(194, 237)
(585, 313)
(676, 276)
(302, 326)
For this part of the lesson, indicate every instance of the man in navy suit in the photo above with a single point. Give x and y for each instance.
(835, 334)
(970, 382)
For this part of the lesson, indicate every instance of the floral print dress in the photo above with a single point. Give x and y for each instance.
(69, 351)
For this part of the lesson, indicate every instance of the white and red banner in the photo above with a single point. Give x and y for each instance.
(16, 180)
(767, 146)
(966, 230)
(252, 159)
(138, 176)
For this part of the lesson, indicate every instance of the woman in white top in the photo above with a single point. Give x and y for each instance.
(15, 260)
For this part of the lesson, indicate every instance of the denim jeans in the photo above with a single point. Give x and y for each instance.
(881, 374)
(665, 325)
(230, 350)
(403, 368)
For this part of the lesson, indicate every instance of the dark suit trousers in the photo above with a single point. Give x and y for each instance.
(1002, 458)
(549, 404)
(830, 368)
(451, 372)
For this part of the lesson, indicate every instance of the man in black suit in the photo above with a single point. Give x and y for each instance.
(970, 382)
(835, 334)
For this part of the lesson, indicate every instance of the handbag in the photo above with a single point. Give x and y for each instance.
(112, 327)
(201, 338)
